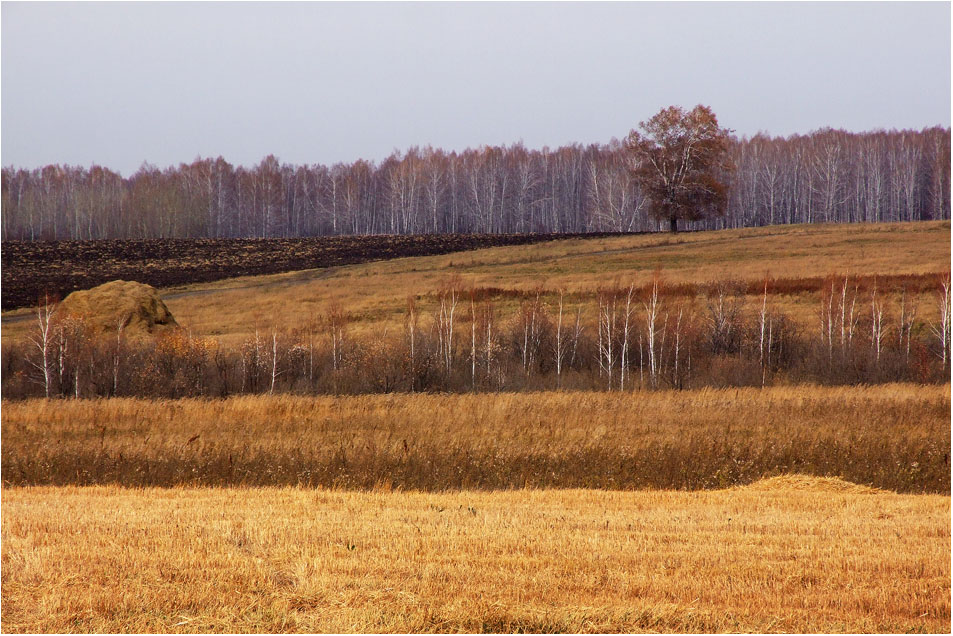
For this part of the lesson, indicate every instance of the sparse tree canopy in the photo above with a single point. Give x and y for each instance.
(680, 159)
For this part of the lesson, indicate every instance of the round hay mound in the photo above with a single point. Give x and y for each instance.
(106, 306)
(810, 483)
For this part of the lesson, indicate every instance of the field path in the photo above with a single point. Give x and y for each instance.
(261, 283)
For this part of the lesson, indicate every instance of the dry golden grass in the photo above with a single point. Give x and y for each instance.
(890, 436)
(790, 548)
(375, 293)
(814, 559)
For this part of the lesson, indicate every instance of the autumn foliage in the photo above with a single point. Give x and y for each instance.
(680, 160)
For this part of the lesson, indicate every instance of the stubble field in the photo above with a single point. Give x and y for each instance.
(789, 555)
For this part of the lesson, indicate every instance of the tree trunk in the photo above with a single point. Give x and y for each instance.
(674, 225)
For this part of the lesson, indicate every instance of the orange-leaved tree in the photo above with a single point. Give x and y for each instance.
(680, 160)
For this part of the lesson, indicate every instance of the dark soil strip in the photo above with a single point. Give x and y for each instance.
(32, 269)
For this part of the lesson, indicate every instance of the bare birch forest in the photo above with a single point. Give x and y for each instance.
(825, 176)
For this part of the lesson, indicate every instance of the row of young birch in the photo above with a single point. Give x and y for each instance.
(624, 337)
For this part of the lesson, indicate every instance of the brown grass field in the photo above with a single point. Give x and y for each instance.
(792, 554)
(894, 436)
(375, 294)
(795, 508)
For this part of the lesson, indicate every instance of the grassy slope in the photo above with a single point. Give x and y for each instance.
(800, 555)
(376, 293)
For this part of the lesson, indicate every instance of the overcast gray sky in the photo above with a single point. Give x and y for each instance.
(122, 83)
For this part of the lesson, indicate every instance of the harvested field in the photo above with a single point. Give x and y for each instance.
(894, 436)
(60, 267)
(805, 559)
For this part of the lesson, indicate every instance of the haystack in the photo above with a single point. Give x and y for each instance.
(811, 484)
(106, 306)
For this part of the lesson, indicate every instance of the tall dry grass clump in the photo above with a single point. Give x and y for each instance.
(889, 436)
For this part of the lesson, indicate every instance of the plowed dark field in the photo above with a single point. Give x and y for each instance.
(29, 269)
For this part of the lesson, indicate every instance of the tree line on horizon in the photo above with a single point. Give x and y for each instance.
(827, 176)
